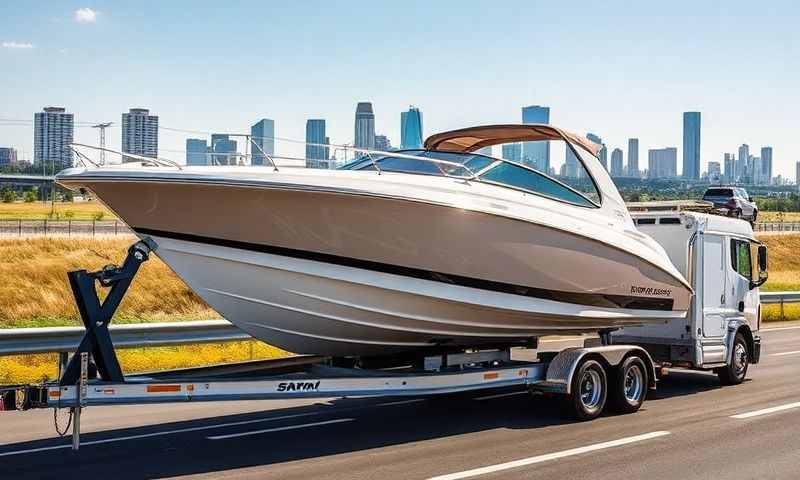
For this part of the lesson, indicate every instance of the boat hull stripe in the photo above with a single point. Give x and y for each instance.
(588, 299)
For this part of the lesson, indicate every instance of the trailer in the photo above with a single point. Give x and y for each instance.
(612, 372)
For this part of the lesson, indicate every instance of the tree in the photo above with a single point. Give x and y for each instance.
(31, 195)
(8, 195)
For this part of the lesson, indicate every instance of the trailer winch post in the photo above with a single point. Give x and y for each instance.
(80, 396)
(96, 316)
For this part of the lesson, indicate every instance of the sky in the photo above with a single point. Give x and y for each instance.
(620, 70)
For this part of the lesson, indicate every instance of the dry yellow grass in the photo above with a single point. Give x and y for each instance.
(779, 216)
(41, 211)
(37, 368)
(34, 290)
(784, 262)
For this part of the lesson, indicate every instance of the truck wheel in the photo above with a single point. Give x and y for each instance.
(589, 390)
(735, 372)
(628, 385)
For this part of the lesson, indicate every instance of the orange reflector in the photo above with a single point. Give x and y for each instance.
(490, 376)
(108, 391)
(190, 387)
(523, 373)
(55, 393)
(163, 388)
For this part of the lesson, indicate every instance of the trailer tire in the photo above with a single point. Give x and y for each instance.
(589, 390)
(628, 386)
(735, 372)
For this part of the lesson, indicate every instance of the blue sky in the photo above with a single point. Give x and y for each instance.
(620, 69)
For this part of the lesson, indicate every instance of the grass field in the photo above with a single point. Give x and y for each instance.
(779, 216)
(58, 210)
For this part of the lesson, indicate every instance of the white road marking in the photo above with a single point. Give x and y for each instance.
(280, 429)
(500, 395)
(550, 456)
(794, 352)
(775, 329)
(766, 411)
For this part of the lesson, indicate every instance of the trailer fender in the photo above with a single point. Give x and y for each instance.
(563, 367)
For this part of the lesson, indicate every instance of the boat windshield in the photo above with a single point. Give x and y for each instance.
(572, 185)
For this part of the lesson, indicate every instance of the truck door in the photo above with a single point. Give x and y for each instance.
(714, 280)
(744, 299)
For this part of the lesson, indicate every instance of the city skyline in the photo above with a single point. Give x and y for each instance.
(617, 102)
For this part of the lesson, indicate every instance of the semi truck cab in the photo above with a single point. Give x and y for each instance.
(725, 264)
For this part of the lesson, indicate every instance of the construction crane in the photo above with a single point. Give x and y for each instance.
(102, 127)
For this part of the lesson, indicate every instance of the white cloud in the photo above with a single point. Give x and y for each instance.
(17, 45)
(85, 15)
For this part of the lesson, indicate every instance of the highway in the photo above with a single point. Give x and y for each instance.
(689, 428)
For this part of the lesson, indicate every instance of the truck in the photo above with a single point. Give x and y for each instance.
(720, 257)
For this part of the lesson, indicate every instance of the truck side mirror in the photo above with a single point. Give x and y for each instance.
(762, 267)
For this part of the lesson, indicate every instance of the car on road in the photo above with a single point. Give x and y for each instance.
(733, 201)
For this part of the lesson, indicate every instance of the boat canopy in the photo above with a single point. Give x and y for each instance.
(473, 138)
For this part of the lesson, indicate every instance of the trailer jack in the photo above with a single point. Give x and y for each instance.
(96, 315)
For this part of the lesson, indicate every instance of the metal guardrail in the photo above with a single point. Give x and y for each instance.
(777, 227)
(16, 341)
(69, 228)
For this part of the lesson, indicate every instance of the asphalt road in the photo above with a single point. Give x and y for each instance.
(687, 429)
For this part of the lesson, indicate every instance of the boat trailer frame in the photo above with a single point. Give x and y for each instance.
(295, 377)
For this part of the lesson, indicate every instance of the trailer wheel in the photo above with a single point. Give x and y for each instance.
(735, 372)
(589, 391)
(629, 385)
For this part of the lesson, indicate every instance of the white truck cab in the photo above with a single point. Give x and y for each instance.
(725, 265)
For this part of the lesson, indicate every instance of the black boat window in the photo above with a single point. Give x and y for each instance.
(532, 181)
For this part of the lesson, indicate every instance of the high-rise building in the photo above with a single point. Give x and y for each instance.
(262, 134)
(730, 168)
(536, 154)
(382, 143)
(714, 172)
(766, 165)
(797, 174)
(411, 128)
(616, 163)
(513, 152)
(633, 157)
(742, 167)
(364, 127)
(139, 133)
(53, 131)
(755, 167)
(691, 145)
(196, 152)
(222, 150)
(8, 156)
(571, 164)
(602, 155)
(316, 139)
(662, 162)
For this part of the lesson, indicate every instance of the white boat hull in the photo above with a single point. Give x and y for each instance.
(306, 306)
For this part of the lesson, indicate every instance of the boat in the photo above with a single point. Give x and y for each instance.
(440, 247)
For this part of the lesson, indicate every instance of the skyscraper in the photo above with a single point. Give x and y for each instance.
(755, 167)
(603, 153)
(196, 152)
(139, 133)
(317, 154)
(691, 145)
(633, 157)
(742, 167)
(766, 165)
(616, 163)
(7, 156)
(571, 164)
(513, 152)
(730, 168)
(411, 128)
(536, 154)
(222, 150)
(364, 127)
(382, 143)
(262, 134)
(662, 162)
(52, 133)
(714, 172)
